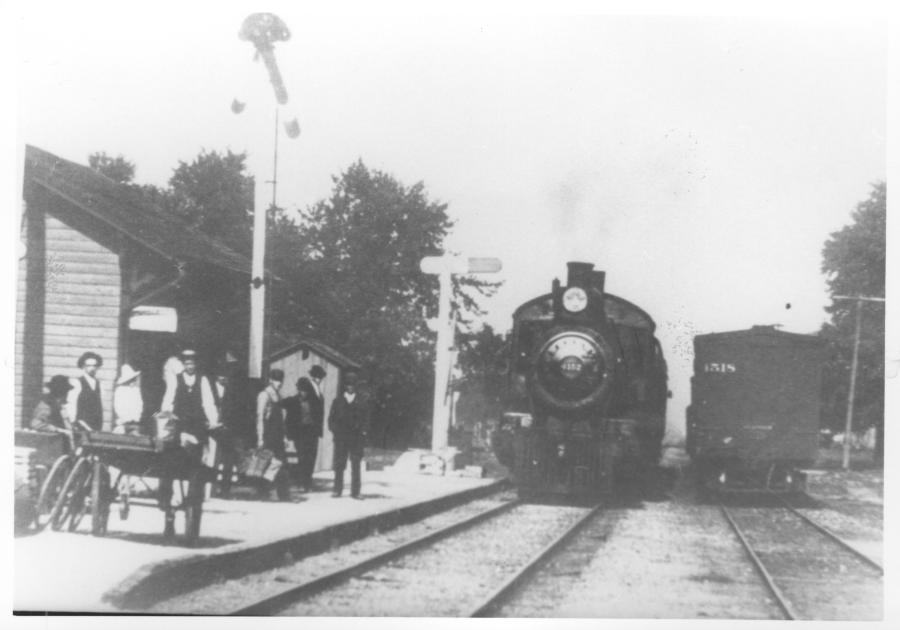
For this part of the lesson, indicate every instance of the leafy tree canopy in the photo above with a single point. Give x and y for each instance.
(215, 194)
(351, 266)
(117, 169)
(853, 260)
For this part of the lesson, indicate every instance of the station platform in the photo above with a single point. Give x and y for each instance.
(134, 565)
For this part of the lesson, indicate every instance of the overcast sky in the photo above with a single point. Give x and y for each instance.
(701, 161)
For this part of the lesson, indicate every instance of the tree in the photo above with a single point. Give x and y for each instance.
(483, 365)
(347, 272)
(854, 262)
(350, 276)
(117, 169)
(214, 194)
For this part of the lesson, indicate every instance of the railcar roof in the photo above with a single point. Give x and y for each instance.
(763, 333)
(618, 310)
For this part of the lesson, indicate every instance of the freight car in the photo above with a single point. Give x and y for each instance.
(587, 391)
(753, 420)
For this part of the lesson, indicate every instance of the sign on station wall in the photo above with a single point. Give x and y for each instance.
(153, 319)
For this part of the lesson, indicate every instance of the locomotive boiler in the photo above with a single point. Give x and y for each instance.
(587, 390)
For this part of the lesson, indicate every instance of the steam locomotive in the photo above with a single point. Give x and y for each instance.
(587, 391)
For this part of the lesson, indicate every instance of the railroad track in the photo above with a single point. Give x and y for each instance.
(810, 575)
(467, 568)
(825, 531)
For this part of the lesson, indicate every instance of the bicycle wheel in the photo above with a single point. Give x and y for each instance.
(80, 472)
(51, 489)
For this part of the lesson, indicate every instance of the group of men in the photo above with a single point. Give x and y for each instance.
(213, 414)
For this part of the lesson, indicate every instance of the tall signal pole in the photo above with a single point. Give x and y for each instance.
(853, 368)
(264, 30)
(444, 267)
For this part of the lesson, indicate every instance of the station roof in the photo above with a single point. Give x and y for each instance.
(126, 210)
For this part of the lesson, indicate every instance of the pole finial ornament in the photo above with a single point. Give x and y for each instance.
(263, 30)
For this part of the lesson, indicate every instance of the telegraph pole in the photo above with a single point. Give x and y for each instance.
(859, 299)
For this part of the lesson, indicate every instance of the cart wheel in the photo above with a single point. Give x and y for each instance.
(100, 499)
(193, 508)
(78, 504)
(51, 489)
(81, 471)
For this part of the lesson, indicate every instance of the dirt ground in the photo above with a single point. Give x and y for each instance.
(864, 481)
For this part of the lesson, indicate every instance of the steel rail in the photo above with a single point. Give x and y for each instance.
(830, 534)
(494, 601)
(281, 600)
(780, 598)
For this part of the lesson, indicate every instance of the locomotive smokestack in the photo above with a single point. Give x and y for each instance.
(599, 280)
(580, 274)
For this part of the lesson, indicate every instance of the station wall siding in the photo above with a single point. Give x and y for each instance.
(82, 305)
(21, 292)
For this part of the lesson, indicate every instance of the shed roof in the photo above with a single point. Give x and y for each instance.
(285, 345)
(126, 210)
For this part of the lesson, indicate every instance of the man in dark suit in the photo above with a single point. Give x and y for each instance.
(349, 423)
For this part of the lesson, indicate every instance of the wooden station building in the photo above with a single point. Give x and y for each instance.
(108, 271)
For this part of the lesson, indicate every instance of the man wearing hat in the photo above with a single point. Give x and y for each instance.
(128, 404)
(308, 427)
(189, 396)
(270, 431)
(85, 401)
(50, 413)
(349, 423)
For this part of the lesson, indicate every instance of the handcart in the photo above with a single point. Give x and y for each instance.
(89, 486)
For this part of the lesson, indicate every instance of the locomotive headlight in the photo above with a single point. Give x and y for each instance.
(574, 299)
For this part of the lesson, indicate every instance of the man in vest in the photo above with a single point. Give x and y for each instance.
(84, 402)
(270, 432)
(189, 396)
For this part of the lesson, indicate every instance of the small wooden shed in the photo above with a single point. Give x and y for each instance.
(296, 356)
